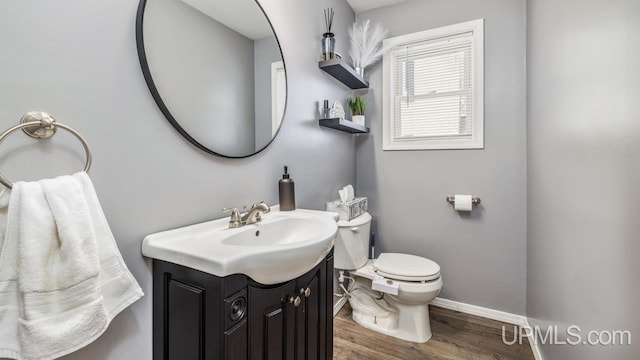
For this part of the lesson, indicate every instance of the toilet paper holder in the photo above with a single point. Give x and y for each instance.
(475, 200)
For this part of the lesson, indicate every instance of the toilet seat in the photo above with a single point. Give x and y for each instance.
(405, 267)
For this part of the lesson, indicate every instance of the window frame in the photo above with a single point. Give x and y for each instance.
(476, 140)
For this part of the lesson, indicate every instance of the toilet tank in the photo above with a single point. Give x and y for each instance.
(351, 249)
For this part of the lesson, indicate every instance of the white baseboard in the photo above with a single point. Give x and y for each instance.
(480, 311)
(537, 354)
(338, 305)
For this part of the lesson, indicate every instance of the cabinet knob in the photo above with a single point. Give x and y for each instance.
(295, 300)
(306, 292)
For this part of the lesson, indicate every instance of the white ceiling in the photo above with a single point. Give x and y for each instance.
(364, 5)
(246, 18)
(243, 16)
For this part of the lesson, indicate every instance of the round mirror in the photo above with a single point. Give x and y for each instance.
(215, 69)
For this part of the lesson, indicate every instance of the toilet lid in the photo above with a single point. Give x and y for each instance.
(406, 267)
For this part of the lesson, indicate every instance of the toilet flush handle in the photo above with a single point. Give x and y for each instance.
(355, 229)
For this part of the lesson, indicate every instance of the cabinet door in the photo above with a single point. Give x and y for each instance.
(272, 322)
(327, 290)
(186, 321)
(311, 315)
(184, 327)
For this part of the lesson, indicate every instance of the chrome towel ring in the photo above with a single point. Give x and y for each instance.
(41, 125)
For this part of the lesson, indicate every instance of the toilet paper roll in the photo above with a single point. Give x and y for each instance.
(463, 203)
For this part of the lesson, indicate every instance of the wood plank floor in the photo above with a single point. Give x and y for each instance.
(455, 336)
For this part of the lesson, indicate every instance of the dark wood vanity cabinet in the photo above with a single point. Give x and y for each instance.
(201, 316)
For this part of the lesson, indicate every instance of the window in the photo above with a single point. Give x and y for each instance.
(433, 89)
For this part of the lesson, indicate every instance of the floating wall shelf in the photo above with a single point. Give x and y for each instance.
(344, 125)
(340, 70)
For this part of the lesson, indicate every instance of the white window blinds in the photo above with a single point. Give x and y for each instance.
(432, 90)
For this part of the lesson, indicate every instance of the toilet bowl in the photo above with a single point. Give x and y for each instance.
(404, 315)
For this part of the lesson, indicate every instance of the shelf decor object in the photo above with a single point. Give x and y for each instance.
(344, 125)
(357, 104)
(328, 39)
(339, 69)
(366, 45)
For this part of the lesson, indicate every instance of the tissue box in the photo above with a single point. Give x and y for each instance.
(350, 209)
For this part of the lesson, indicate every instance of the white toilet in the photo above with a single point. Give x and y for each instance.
(418, 281)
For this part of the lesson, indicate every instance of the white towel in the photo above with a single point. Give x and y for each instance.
(9, 296)
(69, 280)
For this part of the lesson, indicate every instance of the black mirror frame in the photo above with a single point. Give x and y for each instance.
(142, 56)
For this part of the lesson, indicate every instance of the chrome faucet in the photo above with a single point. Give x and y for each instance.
(250, 217)
(253, 215)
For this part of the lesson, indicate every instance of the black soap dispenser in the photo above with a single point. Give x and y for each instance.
(287, 192)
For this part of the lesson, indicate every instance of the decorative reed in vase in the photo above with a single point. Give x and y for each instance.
(366, 45)
(328, 39)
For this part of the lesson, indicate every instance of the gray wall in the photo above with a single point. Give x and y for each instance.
(210, 91)
(482, 255)
(78, 60)
(584, 171)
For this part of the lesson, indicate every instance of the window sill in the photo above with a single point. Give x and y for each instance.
(433, 144)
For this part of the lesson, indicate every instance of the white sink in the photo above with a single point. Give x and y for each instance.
(285, 245)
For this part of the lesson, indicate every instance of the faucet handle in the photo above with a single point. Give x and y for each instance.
(235, 221)
(256, 204)
(268, 208)
(235, 214)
